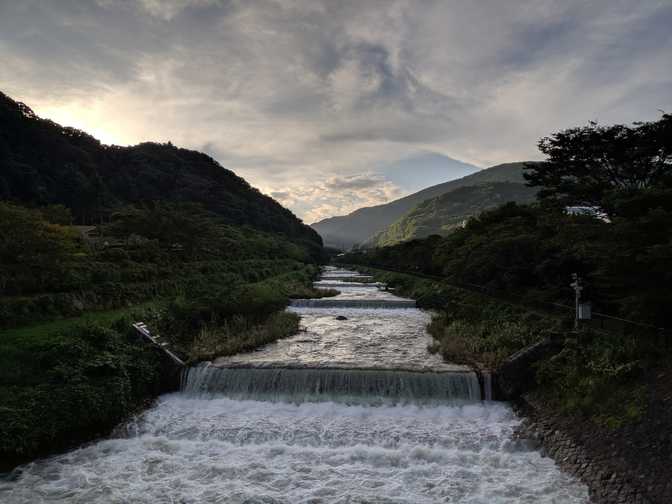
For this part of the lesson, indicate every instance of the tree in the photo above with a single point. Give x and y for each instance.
(186, 226)
(587, 165)
(56, 214)
(33, 252)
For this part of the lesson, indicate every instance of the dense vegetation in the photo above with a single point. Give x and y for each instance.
(66, 385)
(50, 270)
(178, 242)
(361, 225)
(621, 246)
(470, 327)
(447, 212)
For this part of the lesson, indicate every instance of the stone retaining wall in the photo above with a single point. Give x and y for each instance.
(606, 484)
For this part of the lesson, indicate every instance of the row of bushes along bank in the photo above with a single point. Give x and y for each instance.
(468, 327)
(226, 320)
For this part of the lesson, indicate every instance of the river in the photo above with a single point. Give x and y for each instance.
(353, 409)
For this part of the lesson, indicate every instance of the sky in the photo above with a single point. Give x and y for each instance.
(330, 105)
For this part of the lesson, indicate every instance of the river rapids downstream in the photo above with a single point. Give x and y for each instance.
(353, 409)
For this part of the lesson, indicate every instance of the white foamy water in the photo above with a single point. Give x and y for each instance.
(382, 442)
(219, 450)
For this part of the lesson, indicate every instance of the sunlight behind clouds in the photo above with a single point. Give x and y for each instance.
(290, 94)
(89, 119)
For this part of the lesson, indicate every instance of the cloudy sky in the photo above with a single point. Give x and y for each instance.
(322, 103)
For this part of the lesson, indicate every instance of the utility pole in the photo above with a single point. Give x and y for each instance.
(576, 285)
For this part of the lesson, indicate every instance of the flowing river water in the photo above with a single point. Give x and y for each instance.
(353, 409)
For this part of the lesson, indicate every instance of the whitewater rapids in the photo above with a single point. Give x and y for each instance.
(218, 450)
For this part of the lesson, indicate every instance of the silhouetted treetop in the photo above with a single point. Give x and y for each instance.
(586, 165)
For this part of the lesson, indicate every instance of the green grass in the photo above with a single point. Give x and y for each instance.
(597, 375)
(45, 330)
(85, 374)
(82, 375)
(469, 327)
(487, 340)
(240, 335)
(60, 387)
(301, 292)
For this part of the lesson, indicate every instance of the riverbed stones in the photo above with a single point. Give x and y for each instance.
(605, 486)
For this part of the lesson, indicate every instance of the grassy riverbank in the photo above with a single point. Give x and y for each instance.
(602, 377)
(469, 327)
(71, 367)
(62, 385)
(231, 319)
(88, 373)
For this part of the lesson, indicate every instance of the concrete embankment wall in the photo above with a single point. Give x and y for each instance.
(607, 482)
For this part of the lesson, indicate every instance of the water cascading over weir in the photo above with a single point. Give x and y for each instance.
(364, 346)
(352, 386)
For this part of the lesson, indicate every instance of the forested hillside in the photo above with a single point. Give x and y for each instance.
(44, 163)
(450, 211)
(362, 224)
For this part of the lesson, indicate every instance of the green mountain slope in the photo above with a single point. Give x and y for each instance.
(444, 213)
(362, 224)
(44, 163)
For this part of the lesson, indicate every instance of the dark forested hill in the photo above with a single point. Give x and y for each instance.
(43, 163)
(447, 212)
(362, 224)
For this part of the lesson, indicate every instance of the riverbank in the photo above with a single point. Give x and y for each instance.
(608, 426)
(469, 327)
(62, 388)
(69, 381)
(626, 464)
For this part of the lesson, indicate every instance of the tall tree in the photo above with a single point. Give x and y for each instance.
(587, 165)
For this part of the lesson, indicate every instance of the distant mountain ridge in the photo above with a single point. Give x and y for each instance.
(45, 163)
(447, 212)
(424, 169)
(362, 224)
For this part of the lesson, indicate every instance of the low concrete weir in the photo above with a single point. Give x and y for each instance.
(349, 277)
(352, 303)
(341, 284)
(350, 386)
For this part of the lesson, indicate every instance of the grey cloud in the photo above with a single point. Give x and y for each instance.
(281, 195)
(74, 47)
(302, 97)
(401, 129)
(340, 195)
(353, 182)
